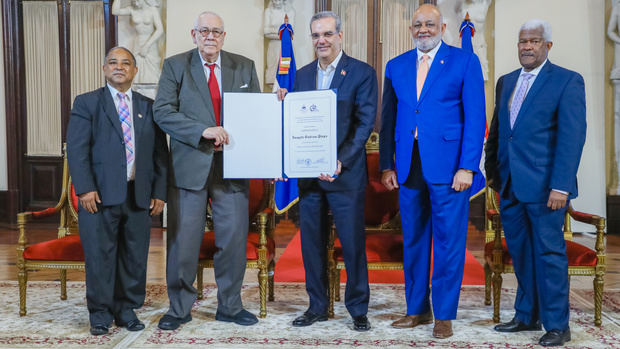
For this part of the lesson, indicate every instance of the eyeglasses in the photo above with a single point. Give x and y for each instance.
(217, 32)
(326, 35)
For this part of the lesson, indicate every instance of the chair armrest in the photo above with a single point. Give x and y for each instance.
(582, 217)
(492, 213)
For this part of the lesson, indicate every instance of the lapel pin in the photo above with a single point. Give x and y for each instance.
(140, 116)
(343, 72)
(441, 61)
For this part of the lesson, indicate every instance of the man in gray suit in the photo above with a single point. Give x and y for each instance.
(188, 108)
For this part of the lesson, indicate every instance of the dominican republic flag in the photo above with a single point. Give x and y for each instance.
(467, 32)
(286, 193)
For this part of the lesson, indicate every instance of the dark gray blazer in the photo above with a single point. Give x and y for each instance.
(183, 110)
(96, 151)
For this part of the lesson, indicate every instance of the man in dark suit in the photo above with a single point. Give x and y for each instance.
(118, 164)
(344, 192)
(188, 108)
(532, 156)
(430, 144)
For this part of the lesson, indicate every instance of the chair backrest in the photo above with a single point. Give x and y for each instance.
(381, 206)
(258, 198)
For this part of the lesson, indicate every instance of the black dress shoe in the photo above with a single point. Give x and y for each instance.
(98, 329)
(169, 322)
(308, 318)
(134, 325)
(243, 318)
(515, 325)
(555, 338)
(361, 323)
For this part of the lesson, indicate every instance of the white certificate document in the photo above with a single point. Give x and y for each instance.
(295, 138)
(310, 133)
(254, 125)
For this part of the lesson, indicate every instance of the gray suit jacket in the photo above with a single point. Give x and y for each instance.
(183, 110)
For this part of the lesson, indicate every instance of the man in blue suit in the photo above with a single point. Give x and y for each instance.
(343, 192)
(532, 156)
(118, 163)
(433, 120)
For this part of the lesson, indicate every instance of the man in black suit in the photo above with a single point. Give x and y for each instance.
(118, 164)
(343, 192)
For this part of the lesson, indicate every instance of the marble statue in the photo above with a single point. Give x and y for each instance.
(146, 20)
(273, 19)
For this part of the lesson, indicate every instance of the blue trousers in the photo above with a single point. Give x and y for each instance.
(348, 211)
(536, 243)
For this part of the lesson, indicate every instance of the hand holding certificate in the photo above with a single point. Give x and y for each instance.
(295, 138)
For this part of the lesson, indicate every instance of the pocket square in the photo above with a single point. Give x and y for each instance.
(244, 86)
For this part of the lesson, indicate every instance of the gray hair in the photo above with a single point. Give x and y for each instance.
(205, 13)
(327, 14)
(538, 24)
(105, 59)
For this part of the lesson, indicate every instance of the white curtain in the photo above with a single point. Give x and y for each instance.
(354, 16)
(41, 48)
(395, 21)
(87, 46)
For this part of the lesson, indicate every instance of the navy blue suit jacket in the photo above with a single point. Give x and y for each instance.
(543, 149)
(449, 115)
(356, 84)
(96, 150)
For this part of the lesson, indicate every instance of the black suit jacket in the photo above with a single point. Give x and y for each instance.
(96, 150)
(356, 84)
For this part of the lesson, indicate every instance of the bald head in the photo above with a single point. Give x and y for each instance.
(427, 27)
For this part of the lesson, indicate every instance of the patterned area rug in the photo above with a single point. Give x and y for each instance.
(52, 323)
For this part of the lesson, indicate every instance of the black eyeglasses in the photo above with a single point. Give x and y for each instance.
(217, 32)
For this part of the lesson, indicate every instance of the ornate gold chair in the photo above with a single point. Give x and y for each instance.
(384, 240)
(260, 247)
(64, 252)
(581, 259)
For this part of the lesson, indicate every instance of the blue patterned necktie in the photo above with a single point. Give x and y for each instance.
(123, 115)
(518, 98)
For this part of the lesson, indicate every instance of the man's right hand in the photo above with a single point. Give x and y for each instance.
(217, 134)
(281, 92)
(388, 178)
(89, 201)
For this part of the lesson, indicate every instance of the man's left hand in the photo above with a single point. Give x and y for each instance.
(556, 200)
(331, 178)
(462, 180)
(156, 206)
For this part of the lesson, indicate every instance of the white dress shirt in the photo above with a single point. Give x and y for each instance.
(431, 55)
(131, 167)
(325, 76)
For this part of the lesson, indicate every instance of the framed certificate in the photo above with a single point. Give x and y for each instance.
(295, 138)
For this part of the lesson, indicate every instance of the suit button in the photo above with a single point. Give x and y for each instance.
(510, 139)
(417, 111)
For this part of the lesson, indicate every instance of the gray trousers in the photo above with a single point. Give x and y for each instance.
(186, 224)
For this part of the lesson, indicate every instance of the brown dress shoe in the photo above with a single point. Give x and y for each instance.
(443, 329)
(410, 321)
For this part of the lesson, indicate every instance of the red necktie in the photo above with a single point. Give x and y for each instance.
(214, 90)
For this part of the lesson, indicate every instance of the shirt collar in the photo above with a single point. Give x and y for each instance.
(431, 54)
(534, 71)
(218, 61)
(332, 65)
(114, 91)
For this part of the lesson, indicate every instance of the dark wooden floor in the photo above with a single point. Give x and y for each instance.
(285, 231)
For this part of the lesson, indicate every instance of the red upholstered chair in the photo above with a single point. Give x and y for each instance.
(384, 240)
(260, 247)
(581, 259)
(63, 252)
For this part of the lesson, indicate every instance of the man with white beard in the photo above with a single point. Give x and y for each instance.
(431, 142)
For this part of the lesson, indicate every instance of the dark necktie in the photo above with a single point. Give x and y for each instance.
(214, 90)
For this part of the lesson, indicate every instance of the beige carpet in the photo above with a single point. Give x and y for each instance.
(52, 323)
